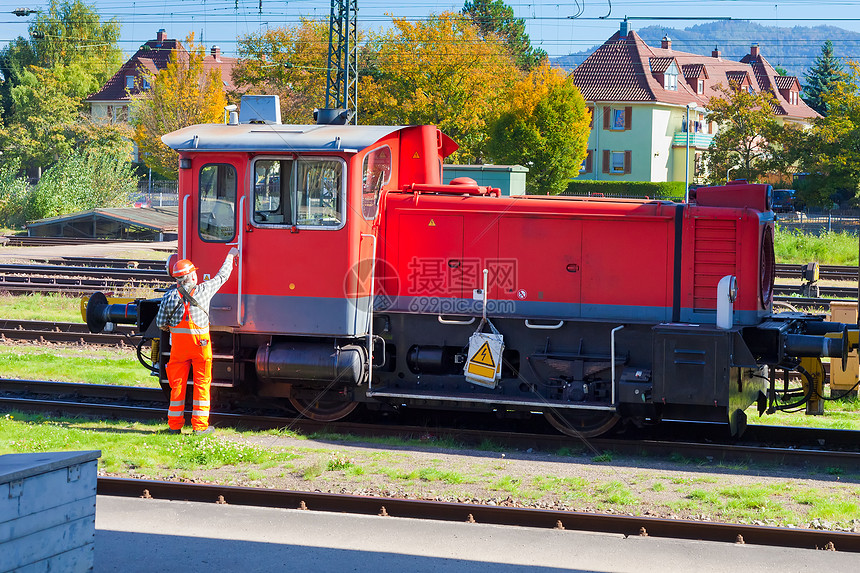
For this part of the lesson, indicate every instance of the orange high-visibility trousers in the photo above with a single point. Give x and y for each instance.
(191, 348)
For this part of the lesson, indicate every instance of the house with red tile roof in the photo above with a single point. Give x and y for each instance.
(111, 102)
(641, 98)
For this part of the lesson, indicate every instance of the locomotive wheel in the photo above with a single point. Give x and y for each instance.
(323, 410)
(582, 424)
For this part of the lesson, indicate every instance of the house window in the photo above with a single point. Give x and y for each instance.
(617, 162)
(700, 87)
(670, 78)
(618, 117)
(792, 98)
(144, 82)
(751, 90)
(129, 82)
(586, 166)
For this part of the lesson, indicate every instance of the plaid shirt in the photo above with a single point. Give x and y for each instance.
(172, 307)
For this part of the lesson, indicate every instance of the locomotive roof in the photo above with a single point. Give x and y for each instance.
(276, 137)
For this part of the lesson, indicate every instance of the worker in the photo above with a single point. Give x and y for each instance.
(184, 311)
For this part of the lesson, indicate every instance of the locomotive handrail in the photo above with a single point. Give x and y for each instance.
(612, 357)
(239, 235)
(370, 313)
(544, 326)
(460, 322)
(419, 188)
(185, 227)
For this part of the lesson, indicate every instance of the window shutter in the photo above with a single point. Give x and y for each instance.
(627, 157)
(606, 114)
(591, 111)
(606, 161)
(589, 161)
(628, 117)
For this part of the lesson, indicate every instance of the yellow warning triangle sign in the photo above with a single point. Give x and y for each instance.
(416, 156)
(432, 223)
(484, 356)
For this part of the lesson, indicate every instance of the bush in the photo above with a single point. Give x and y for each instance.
(15, 195)
(664, 189)
(84, 180)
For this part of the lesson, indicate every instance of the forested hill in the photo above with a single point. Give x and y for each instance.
(794, 49)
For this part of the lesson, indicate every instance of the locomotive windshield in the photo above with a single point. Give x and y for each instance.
(304, 192)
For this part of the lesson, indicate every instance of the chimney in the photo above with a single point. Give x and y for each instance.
(754, 52)
(161, 36)
(216, 53)
(666, 43)
(716, 53)
(625, 29)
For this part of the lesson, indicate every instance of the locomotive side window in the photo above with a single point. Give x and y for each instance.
(272, 196)
(319, 192)
(217, 221)
(376, 172)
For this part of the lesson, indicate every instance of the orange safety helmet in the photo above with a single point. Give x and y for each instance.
(182, 268)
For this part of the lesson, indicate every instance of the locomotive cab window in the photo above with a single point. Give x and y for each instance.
(272, 192)
(376, 172)
(217, 206)
(319, 185)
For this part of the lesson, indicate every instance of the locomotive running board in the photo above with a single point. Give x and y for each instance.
(500, 400)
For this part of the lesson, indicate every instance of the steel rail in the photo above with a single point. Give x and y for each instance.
(71, 332)
(124, 274)
(484, 514)
(796, 452)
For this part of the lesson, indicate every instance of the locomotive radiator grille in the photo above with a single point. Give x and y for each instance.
(715, 257)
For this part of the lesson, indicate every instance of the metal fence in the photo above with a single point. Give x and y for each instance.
(157, 194)
(819, 222)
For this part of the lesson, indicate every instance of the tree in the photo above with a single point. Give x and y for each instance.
(821, 77)
(495, 18)
(545, 127)
(830, 151)
(181, 94)
(438, 71)
(69, 36)
(289, 62)
(47, 122)
(750, 139)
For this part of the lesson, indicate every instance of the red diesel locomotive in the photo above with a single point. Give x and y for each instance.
(362, 278)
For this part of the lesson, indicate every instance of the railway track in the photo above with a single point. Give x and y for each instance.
(709, 442)
(827, 272)
(25, 241)
(70, 332)
(476, 513)
(22, 279)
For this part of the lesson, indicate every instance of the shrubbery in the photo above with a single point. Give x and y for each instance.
(80, 181)
(664, 189)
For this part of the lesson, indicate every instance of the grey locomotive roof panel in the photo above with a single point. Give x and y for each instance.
(276, 137)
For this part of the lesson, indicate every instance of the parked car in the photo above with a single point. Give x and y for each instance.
(785, 201)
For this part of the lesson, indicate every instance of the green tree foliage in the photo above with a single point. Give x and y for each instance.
(289, 62)
(494, 17)
(546, 128)
(830, 152)
(821, 77)
(181, 94)
(750, 140)
(47, 122)
(438, 71)
(84, 180)
(70, 37)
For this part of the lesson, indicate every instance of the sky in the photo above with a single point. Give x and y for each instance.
(559, 28)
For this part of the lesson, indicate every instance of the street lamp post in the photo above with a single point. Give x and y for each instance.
(687, 156)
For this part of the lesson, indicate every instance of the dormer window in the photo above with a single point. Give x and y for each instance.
(700, 87)
(144, 83)
(793, 97)
(670, 77)
(129, 82)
